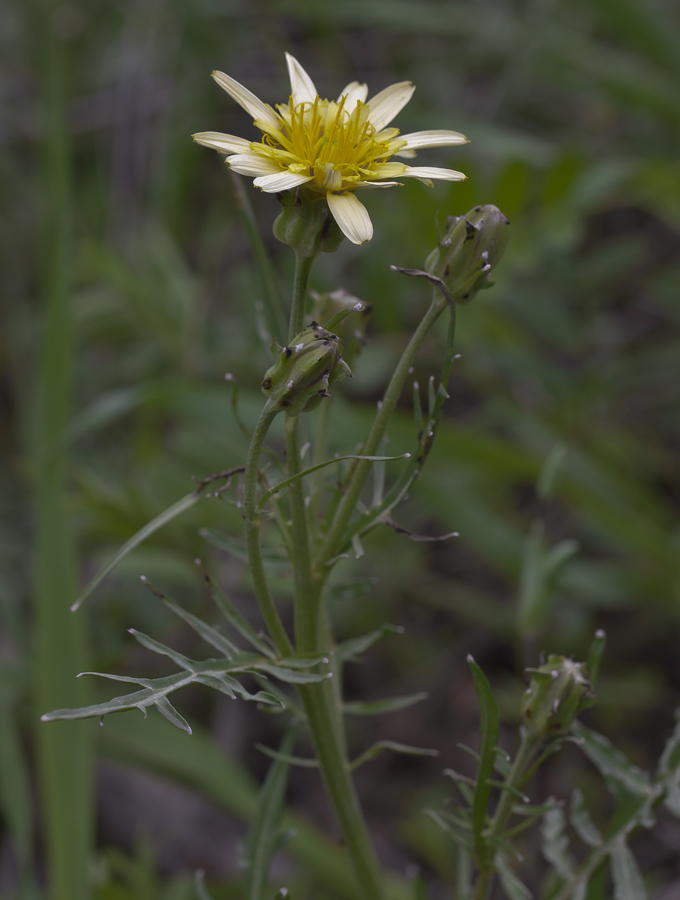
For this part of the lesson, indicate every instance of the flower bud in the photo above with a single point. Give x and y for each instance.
(306, 224)
(299, 379)
(352, 330)
(471, 248)
(557, 693)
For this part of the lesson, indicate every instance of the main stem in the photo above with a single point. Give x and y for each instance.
(320, 701)
(362, 468)
(515, 780)
(253, 521)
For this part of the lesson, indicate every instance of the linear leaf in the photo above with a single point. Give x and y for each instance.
(264, 832)
(457, 834)
(377, 707)
(489, 729)
(376, 749)
(272, 559)
(303, 762)
(234, 617)
(182, 661)
(580, 818)
(513, 887)
(350, 649)
(293, 676)
(628, 883)
(165, 708)
(209, 634)
(202, 892)
(555, 843)
(352, 589)
(621, 776)
(150, 528)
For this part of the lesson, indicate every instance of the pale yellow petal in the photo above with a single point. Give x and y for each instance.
(406, 154)
(301, 85)
(354, 93)
(281, 181)
(388, 103)
(252, 164)
(436, 138)
(225, 143)
(351, 215)
(389, 170)
(427, 172)
(246, 99)
(365, 185)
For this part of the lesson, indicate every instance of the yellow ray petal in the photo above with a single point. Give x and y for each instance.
(301, 85)
(225, 143)
(252, 164)
(388, 103)
(246, 99)
(280, 181)
(351, 215)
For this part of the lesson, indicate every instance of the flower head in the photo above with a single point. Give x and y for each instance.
(332, 147)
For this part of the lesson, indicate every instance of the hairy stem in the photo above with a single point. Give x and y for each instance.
(253, 522)
(362, 468)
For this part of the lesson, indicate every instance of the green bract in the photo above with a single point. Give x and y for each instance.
(304, 370)
(306, 224)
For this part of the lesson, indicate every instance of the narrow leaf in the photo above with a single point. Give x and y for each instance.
(292, 676)
(377, 707)
(376, 749)
(555, 843)
(457, 834)
(303, 762)
(154, 525)
(199, 886)
(165, 707)
(513, 887)
(352, 589)
(628, 883)
(621, 776)
(233, 616)
(272, 559)
(264, 832)
(350, 649)
(182, 661)
(210, 635)
(489, 729)
(581, 821)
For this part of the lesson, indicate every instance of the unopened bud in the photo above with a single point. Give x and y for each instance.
(469, 251)
(352, 329)
(303, 371)
(557, 693)
(306, 224)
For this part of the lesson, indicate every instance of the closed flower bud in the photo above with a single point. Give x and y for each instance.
(469, 251)
(352, 329)
(303, 371)
(557, 693)
(306, 224)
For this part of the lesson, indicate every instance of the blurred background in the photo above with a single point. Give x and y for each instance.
(129, 290)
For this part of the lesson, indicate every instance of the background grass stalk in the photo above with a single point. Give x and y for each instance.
(64, 749)
(362, 468)
(253, 521)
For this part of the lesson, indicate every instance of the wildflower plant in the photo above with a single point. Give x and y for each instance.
(315, 155)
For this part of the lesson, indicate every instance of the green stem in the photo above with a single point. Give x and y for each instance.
(363, 467)
(514, 779)
(303, 269)
(306, 599)
(330, 751)
(253, 522)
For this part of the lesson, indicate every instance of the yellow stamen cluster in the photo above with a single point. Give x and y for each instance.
(337, 148)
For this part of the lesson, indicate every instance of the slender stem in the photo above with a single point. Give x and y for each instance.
(303, 269)
(306, 599)
(376, 434)
(514, 779)
(330, 751)
(253, 521)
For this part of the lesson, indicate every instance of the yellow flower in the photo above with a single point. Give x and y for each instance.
(334, 147)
